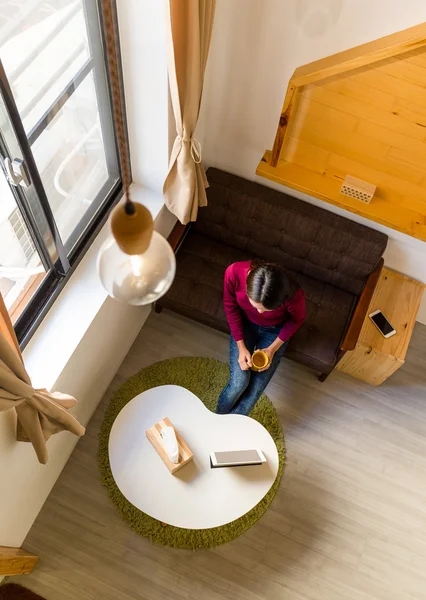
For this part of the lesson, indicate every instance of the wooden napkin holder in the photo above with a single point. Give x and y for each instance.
(154, 436)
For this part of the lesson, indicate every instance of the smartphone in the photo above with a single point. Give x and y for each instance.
(382, 324)
(236, 458)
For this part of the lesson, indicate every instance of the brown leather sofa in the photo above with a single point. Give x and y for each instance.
(336, 261)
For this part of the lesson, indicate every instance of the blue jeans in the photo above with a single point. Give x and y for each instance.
(244, 388)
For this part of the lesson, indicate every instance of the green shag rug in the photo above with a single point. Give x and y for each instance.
(206, 378)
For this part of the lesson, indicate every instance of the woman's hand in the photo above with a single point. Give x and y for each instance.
(244, 358)
(270, 351)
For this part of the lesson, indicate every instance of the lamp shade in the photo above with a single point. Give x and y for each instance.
(137, 279)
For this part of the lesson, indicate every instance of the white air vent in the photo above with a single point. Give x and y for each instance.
(358, 189)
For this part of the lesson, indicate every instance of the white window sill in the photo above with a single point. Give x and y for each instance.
(66, 323)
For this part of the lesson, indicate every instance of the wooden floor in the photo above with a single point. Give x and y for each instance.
(349, 521)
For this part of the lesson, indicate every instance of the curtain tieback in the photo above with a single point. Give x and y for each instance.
(195, 147)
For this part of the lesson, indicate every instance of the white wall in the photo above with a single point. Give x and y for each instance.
(144, 61)
(25, 484)
(256, 46)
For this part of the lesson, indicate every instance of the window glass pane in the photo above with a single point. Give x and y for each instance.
(71, 158)
(53, 58)
(9, 146)
(21, 270)
(57, 136)
(42, 47)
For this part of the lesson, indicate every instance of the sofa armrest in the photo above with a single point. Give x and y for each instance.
(361, 310)
(177, 235)
(175, 239)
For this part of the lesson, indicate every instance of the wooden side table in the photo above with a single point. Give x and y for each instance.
(375, 358)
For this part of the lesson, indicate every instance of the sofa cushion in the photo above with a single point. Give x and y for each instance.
(306, 239)
(329, 310)
(197, 292)
(198, 285)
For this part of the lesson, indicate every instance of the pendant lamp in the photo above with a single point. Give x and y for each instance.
(136, 264)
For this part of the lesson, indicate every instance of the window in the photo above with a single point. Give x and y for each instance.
(60, 172)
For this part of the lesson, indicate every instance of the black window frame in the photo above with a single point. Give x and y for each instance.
(59, 259)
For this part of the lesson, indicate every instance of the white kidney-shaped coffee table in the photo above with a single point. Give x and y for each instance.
(196, 497)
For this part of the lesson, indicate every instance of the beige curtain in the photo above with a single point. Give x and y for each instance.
(189, 25)
(40, 414)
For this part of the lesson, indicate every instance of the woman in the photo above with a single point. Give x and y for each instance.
(264, 308)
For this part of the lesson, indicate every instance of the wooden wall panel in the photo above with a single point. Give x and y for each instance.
(366, 112)
(360, 113)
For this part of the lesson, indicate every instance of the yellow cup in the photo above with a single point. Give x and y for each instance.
(259, 360)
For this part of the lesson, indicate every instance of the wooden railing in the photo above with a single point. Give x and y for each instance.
(16, 561)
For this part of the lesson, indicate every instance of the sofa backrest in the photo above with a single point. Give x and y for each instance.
(302, 237)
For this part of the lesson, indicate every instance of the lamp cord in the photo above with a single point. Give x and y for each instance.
(117, 100)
